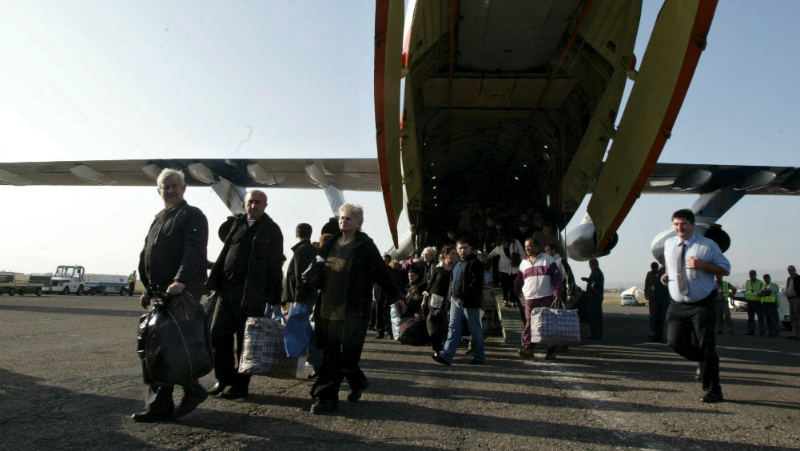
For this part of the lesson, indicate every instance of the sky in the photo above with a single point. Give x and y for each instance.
(91, 80)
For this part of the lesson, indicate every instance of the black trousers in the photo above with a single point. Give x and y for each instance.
(438, 323)
(228, 323)
(332, 373)
(658, 315)
(159, 399)
(131, 286)
(595, 317)
(507, 283)
(383, 320)
(690, 333)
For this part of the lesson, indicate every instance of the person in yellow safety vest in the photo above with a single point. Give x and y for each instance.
(769, 305)
(752, 288)
(131, 283)
(723, 311)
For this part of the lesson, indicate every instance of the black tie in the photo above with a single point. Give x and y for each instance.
(683, 284)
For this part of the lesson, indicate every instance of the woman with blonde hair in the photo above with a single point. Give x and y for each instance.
(352, 267)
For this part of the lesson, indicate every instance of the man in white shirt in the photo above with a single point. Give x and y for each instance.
(692, 261)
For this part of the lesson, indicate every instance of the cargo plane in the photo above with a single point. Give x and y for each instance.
(519, 99)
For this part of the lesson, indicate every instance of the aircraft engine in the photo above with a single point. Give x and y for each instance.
(582, 242)
(713, 232)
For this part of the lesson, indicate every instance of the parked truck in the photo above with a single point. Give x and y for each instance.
(66, 280)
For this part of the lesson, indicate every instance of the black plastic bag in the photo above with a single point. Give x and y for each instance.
(173, 343)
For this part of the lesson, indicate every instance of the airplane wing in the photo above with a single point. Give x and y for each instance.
(672, 178)
(363, 174)
(345, 174)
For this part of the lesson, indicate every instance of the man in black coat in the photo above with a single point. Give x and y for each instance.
(303, 254)
(247, 276)
(466, 300)
(173, 261)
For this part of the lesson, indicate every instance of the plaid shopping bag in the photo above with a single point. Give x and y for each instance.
(555, 326)
(263, 351)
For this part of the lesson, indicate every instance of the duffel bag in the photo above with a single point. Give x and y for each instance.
(414, 332)
(263, 352)
(555, 326)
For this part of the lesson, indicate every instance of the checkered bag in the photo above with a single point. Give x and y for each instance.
(263, 352)
(555, 326)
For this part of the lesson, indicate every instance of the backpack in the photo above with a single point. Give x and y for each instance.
(414, 332)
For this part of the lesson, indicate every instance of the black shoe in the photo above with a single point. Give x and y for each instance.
(550, 355)
(594, 338)
(235, 393)
(379, 336)
(217, 389)
(469, 351)
(475, 362)
(149, 416)
(436, 357)
(354, 395)
(712, 397)
(326, 406)
(313, 375)
(189, 404)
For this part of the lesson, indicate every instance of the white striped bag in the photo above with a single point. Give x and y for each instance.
(263, 352)
(555, 326)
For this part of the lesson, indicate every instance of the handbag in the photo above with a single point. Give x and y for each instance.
(263, 351)
(516, 259)
(555, 326)
(436, 301)
(313, 275)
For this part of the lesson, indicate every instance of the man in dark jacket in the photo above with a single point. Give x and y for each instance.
(466, 299)
(595, 287)
(793, 296)
(303, 254)
(247, 276)
(173, 261)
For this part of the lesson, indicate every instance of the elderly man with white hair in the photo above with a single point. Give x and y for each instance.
(173, 261)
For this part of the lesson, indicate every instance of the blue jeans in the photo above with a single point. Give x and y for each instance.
(457, 314)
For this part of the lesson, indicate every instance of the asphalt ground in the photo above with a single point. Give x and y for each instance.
(69, 377)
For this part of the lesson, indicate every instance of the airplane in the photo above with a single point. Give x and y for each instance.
(522, 96)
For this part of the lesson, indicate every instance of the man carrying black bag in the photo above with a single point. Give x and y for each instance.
(247, 276)
(173, 261)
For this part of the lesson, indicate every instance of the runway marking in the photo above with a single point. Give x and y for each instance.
(617, 420)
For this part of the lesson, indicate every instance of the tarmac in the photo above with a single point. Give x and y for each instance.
(70, 377)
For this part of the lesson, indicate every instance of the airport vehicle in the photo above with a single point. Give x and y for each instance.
(73, 279)
(629, 299)
(486, 96)
(737, 302)
(13, 283)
